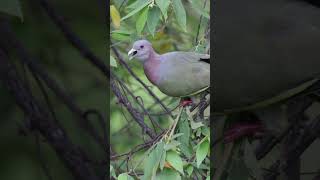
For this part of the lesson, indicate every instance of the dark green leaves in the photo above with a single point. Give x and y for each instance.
(153, 19)
(11, 7)
(180, 13)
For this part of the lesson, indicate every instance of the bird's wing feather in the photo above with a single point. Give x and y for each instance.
(183, 73)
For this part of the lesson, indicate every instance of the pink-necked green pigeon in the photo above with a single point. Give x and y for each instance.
(177, 74)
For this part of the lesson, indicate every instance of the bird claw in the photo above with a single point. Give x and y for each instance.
(245, 129)
(185, 103)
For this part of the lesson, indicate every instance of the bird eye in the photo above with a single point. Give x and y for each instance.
(141, 47)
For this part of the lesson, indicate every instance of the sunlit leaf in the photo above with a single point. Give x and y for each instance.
(113, 62)
(163, 5)
(11, 7)
(124, 176)
(163, 159)
(175, 160)
(180, 13)
(115, 16)
(202, 151)
(168, 174)
(142, 19)
(135, 10)
(153, 19)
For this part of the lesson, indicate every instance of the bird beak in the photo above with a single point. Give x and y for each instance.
(132, 53)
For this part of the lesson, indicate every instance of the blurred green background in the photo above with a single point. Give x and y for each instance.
(20, 154)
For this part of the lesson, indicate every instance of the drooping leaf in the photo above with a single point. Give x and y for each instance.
(168, 174)
(153, 161)
(124, 176)
(180, 13)
(185, 138)
(11, 7)
(175, 160)
(163, 5)
(115, 16)
(142, 19)
(136, 10)
(113, 62)
(202, 151)
(153, 19)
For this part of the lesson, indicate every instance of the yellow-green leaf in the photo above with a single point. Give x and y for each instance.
(142, 19)
(180, 13)
(202, 151)
(124, 176)
(115, 16)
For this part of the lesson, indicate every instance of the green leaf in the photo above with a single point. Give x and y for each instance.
(202, 151)
(163, 5)
(135, 10)
(115, 16)
(142, 19)
(137, 4)
(163, 160)
(112, 172)
(120, 36)
(173, 144)
(189, 169)
(113, 62)
(177, 135)
(184, 140)
(153, 19)
(11, 7)
(175, 160)
(168, 174)
(124, 176)
(152, 161)
(180, 13)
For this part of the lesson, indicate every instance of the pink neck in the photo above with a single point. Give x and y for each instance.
(151, 67)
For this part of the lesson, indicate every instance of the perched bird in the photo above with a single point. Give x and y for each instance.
(176, 74)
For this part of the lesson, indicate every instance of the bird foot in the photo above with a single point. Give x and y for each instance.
(185, 103)
(243, 129)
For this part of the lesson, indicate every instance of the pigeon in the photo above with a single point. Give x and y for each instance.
(176, 74)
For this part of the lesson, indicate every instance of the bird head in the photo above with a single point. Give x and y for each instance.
(141, 50)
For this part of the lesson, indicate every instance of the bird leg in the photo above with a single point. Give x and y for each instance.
(185, 101)
(243, 129)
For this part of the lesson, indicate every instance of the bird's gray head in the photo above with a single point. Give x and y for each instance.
(141, 50)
